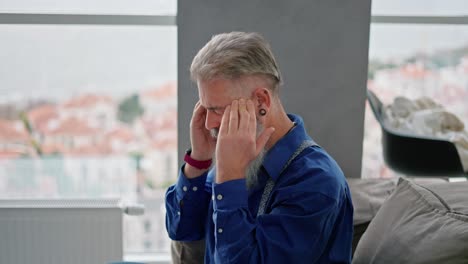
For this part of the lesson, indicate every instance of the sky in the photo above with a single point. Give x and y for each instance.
(59, 61)
(388, 42)
(397, 41)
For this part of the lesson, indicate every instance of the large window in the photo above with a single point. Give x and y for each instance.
(88, 106)
(417, 48)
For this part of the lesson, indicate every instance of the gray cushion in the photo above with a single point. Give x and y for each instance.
(418, 224)
(368, 196)
(455, 194)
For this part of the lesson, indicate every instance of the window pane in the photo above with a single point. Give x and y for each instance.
(414, 61)
(90, 111)
(124, 7)
(420, 7)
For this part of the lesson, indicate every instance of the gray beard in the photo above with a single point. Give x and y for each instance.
(253, 169)
(251, 173)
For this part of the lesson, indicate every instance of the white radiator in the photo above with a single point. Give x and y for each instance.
(61, 231)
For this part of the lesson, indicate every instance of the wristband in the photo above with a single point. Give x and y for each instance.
(199, 164)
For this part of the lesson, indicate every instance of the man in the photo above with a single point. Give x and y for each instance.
(273, 195)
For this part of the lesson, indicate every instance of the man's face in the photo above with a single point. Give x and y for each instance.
(215, 95)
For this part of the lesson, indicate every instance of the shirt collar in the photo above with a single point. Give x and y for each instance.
(277, 156)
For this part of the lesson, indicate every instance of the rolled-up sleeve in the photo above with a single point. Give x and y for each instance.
(187, 208)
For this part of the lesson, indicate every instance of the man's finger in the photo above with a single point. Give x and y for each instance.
(224, 128)
(234, 117)
(263, 139)
(197, 105)
(198, 109)
(198, 113)
(252, 116)
(244, 116)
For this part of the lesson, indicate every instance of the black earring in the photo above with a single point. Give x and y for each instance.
(262, 112)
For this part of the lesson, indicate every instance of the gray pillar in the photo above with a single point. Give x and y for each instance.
(322, 49)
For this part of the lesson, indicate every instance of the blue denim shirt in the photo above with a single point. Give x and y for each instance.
(308, 219)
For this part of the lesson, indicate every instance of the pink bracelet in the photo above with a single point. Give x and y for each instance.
(199, 164)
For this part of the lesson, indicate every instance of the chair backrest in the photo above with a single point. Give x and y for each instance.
(415, 155)
(376, 106)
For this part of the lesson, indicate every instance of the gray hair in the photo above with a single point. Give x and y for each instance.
(234, 55)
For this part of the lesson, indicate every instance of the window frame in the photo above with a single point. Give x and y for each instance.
(82, 19)
(439, 20)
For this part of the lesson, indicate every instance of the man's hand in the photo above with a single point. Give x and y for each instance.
(203, 144)
(237, 143)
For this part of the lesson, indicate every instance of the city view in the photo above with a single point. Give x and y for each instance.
(95, 146)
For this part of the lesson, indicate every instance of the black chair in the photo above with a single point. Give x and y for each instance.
(415, 155)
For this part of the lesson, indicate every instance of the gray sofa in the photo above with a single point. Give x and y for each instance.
(395, 221)
(410, 221)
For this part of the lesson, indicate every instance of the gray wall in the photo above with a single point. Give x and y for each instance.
(322, 48)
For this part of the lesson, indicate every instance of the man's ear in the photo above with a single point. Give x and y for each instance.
(262, 98)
